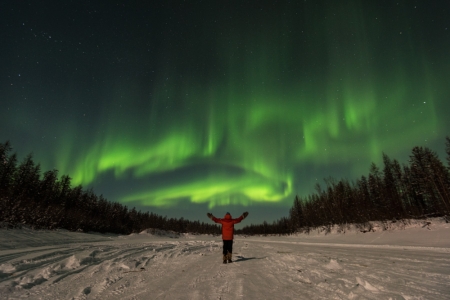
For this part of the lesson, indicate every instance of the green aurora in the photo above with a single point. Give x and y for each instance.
(250, 111)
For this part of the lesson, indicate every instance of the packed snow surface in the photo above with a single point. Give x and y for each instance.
(399, 261)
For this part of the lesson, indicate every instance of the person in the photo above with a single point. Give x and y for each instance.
(227, 233)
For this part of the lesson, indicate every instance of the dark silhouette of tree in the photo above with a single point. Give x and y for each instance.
(439, 180)
(296, 214)
(376, 192)
(391, 193)
(365, 207)
(430, 180)
(447, 150)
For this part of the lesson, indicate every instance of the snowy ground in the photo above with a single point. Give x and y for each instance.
(408, 263)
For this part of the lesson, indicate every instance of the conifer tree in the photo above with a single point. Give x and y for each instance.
(439, 180)
(375, 188)
(447, 150)
(7, 170)
(417, 204)
(4, 154)
(391, 189)
(422, 179)
(296, 213)
(47, 188)
(365, 203)
(418, 175)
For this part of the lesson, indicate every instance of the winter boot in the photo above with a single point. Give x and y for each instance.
(229, 258)
(225, 259)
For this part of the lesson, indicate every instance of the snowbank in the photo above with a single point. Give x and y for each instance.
(161, 233)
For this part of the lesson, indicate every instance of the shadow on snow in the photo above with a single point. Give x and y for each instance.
(241, 258)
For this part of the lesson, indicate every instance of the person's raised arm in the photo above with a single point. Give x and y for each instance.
(242, 217)
(210, 215)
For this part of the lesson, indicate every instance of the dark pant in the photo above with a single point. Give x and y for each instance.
(227, 246)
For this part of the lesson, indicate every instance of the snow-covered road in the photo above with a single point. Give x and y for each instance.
(80, 266)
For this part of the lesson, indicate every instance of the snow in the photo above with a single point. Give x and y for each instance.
(402, 260)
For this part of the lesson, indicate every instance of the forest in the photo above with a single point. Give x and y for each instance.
(415, 190)
(394, 191)
(50, 202)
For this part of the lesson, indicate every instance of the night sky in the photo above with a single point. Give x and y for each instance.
(185, 107)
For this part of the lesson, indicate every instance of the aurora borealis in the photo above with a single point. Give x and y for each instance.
(183, 107)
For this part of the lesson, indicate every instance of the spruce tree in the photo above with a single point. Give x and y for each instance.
(439, 180)
(375, 188)
(365, 204)
(391, 187)
(296, 214)
(447, 149)
(7, 174)
(422, 179)
(4, 154)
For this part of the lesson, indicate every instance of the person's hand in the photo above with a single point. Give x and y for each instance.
(209, 215)
(245, 214)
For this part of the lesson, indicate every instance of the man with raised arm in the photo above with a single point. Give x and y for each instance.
(227, 233)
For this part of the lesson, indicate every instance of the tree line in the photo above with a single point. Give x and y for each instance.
(45, 201)
(418, 189)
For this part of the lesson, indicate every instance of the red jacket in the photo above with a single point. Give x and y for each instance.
(227, 225)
